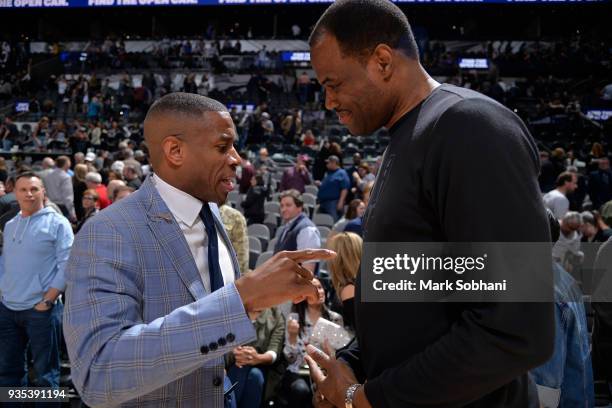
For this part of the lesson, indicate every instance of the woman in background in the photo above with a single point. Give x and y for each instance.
(90, 207)
(300, 323)
(343, 270)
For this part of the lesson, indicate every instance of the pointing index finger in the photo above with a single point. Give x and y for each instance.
(310, 254)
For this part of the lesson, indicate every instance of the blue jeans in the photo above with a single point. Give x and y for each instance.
(250, 388)
(568, 375)
(330, 207)
(39, 330)
(7, 145)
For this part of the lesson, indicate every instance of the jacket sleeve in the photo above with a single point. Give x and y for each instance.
(115, 355)
(277, 336)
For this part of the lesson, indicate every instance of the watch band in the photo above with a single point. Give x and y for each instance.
(350, 392)
(47, 303)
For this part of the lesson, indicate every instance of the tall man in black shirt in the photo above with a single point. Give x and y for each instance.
(460, 167)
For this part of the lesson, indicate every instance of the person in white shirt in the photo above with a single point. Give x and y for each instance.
(556, 200)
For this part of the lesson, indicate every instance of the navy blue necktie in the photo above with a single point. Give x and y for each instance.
(214, 270)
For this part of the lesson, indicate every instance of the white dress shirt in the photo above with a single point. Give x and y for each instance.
(186, 211)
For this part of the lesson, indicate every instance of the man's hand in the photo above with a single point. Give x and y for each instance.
(280, 279)
(41, 307)
(339, 376)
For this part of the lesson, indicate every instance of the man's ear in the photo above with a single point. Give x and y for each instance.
(383, 60)
(174, 151)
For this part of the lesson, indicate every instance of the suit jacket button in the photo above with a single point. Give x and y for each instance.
(230, 337)
(204, 350)
(222, 341)
(213, 346)
(217, 381)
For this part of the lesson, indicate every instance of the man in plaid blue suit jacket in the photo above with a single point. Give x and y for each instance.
(140, 325)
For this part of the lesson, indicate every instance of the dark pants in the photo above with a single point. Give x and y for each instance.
(297, 391)
(250, 388)
(39, 330)
(330, 207)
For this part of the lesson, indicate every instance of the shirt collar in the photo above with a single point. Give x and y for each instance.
(291, 221)
(184, 207)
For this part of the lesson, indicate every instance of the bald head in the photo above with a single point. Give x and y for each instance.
(168, 117)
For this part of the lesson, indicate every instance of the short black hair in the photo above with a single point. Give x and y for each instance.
(185, 103)
(360, 25)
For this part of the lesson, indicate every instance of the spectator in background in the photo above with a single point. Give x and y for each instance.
(343, 270)
(566, 380)
(79, 157)
(121, 192)
(78, 141)
(303, 87)
(566, 250)
(78, 187)
(597, 152)
(556, 200)
(3, 170)
(264, 160)
(356, 209)
(333, 189)
(90, 161)
(336, 150)
(308, 138)
(90, 207)
(576, 198)
(58, 185)
(35, 256)
(255, 199)
(602, 306)
(548, 174)
(600, 183)
(268, 127)
(47, 165)
(298, 333)
(296, 177)
(298, 231)
(8, 134)
(131, 176)
(361, 177)
(143, 162)
(94, 182)
(258, 363)
(247, 172)
(356, 224)
(236, 227)
(41, 133)
(593, 228)
(8, 200)
(320, 166)
(112, 186)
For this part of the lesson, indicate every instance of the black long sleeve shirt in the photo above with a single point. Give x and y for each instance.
(460, 167)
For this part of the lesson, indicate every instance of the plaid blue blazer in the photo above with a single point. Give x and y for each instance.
(140, 329)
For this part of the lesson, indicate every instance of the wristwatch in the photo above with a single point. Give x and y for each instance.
(47, 303)
(350, 392)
